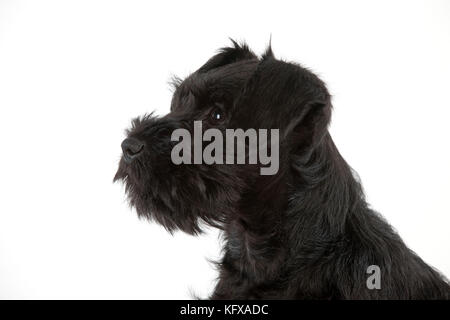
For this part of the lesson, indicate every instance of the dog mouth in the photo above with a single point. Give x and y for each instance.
(127, 172)
(137, 190)
(120, 175)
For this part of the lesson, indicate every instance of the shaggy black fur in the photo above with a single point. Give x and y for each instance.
(304, 233)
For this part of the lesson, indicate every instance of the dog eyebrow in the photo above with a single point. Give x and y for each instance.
(202, 89)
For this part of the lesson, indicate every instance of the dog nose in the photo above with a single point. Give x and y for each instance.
(131, 148)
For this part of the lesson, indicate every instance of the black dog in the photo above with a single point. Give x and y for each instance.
(305, 232)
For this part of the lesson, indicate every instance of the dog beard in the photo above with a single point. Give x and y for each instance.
(176, 196)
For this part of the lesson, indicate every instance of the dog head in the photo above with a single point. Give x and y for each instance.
(234, 89)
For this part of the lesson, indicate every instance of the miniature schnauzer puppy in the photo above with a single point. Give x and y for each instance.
(302, 230)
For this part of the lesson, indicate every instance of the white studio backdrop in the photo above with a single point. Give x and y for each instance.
(73, 74)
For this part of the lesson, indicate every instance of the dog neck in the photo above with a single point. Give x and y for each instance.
(312, 203)
(325, 192)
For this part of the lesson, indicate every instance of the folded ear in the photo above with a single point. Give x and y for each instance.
(307, 129)
(228, 55)
(287, 97)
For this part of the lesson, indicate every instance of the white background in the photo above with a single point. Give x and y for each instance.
(73, 74)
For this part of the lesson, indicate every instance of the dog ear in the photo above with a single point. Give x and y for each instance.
(228, 55)
(285, 96)
(307, 130)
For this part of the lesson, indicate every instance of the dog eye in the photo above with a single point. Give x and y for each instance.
(217, 114)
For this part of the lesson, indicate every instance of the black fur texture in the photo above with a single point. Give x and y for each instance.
(304, 233)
